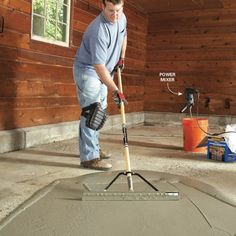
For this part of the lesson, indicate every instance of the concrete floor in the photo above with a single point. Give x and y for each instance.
(152, 147)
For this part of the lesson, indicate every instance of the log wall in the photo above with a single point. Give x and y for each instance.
(200, 47)
(36, 82)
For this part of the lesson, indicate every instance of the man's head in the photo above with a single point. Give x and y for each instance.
(112, 9)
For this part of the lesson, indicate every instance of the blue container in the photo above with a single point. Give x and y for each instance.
(219, 151)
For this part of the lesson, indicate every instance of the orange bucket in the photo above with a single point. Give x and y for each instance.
(193, 135)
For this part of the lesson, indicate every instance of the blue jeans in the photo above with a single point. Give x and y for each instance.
(89, 90)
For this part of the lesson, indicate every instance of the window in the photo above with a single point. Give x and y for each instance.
(51, 21)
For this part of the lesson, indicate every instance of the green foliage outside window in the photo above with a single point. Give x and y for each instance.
(50, 19)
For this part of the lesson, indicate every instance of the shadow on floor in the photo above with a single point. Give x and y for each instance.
(145, 144)
(39, 162)
(48, 153)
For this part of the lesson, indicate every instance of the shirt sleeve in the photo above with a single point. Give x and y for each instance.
(99, 46)
(124, 25)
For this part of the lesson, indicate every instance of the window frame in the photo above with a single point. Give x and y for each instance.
(52, 41)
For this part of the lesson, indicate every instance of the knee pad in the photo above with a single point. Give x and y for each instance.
(95, 116)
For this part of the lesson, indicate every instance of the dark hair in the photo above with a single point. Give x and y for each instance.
(112, 1)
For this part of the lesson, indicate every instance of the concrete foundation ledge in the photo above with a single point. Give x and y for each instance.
(12, 140)
(168, 117)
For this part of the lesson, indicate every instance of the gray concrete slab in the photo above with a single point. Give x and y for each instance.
(154, 147)
(60, 209)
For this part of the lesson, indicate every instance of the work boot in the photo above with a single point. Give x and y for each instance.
(104, 154)
(96, 164)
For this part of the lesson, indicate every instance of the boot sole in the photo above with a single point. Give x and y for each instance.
(105, 157)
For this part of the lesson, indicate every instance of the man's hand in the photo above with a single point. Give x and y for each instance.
(120, 64)
(118, 97)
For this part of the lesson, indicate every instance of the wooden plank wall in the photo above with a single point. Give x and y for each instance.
(36, 82)
(200, 47)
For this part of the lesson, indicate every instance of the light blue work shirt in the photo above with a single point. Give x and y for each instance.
(101, 43)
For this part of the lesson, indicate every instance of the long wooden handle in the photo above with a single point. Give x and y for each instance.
(124, 129)
(122, 107)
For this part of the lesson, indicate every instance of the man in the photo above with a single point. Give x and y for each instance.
(102, 49)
